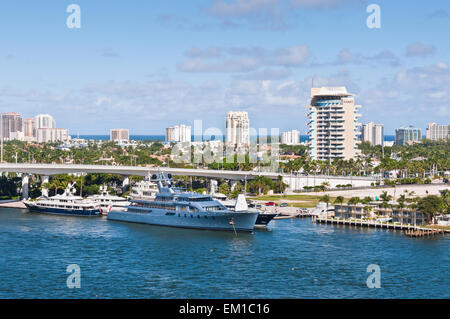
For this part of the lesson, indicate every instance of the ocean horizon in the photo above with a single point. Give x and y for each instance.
(303, 138)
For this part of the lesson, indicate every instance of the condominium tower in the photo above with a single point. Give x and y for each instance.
(28, 127)
(50, 135)
(373, 133)
(290, 138)
(119, 134)
(44, 121)
(438, 132)
(333, 124)
(11, 125)
(237, 128)
(408, 135)
(178, 133)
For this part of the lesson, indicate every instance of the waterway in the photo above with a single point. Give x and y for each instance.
(294, 259)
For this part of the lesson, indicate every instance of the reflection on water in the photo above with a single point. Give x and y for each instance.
(294, 258)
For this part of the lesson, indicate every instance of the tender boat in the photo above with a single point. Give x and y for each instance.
(65, 204)
(175, 208)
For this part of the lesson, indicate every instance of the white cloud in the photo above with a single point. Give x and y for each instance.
(323, 4)
(242, 7)
(385, 57)
(211, 52)
(292, 56)
(419, 49)
(247, 59)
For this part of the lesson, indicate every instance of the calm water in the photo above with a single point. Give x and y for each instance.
(296, 259)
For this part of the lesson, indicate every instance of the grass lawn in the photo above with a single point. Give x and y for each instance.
(304, 201)
(289, 197)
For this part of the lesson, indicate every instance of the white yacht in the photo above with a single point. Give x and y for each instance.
(145, 190)
(107, 201)
(322, 209)
(65, 204)
(175, 208)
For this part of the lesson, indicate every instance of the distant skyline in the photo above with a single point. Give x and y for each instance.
(146, 65)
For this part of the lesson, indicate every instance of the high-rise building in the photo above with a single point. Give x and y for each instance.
(408, 135)
(333, 124)
(11, 125)
(373, 133)
(237, 128)
(44, 121)
(438, 132)
(49, 135)
(119, 134)
(170, 134)
(290, 138)
(29, 128)
(178, 133)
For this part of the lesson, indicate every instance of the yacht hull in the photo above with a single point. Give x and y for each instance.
(61, 211)
(264, 219)
(242, 222)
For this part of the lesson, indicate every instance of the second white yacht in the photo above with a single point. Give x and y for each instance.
(107, 201)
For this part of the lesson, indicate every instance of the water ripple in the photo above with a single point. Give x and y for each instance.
(296, 259)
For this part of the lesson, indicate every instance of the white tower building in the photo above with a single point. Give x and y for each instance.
(237, 128)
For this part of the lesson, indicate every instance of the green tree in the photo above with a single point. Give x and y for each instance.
(430, 206)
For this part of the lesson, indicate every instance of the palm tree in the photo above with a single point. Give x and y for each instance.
(354, 201)
(385, 197)
(325, 199)
(325, 185)
(368, 209)
(445, 195)
(339, 200)
(366, 200)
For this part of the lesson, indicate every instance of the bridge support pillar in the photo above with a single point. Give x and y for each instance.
(45, 180)
(125, 183)
(25, 185)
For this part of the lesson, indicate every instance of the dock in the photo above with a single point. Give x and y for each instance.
(284, 215)
(424, 233)
(13, 203)
(410, 230)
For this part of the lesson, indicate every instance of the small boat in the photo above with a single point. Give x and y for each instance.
(65, 204)
(107, 201)
(322, 209)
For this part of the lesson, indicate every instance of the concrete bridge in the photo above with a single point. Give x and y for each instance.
(295, 182)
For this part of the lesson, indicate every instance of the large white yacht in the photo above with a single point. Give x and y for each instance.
(65, 204)
(174, 208)
(107, 201)
(145, 189)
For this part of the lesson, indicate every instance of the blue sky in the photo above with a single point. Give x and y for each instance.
(145, 65)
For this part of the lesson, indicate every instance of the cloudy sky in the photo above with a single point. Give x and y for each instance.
(145, 65)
